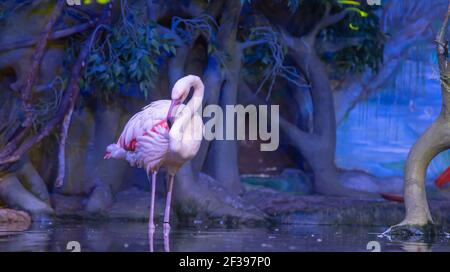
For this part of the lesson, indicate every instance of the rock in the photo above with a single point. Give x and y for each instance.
(13, 216)
(100, 199)
(14, 195)
(13, 220)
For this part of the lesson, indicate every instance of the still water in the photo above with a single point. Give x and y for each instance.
(133, 236)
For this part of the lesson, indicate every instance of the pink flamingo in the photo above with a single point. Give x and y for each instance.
(165, 133)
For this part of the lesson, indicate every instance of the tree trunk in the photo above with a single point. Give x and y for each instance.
(223, 154)
(213, 80)
(318, 147)
(321, 154)
(435, 140)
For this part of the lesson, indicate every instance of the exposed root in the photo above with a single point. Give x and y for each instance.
(409, 231)
(33, 182)
(14, 195)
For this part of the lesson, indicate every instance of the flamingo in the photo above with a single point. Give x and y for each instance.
(165, 133)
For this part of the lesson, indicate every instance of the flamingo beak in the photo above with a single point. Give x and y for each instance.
(170, 114)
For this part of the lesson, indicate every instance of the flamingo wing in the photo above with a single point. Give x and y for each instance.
(152, 147)
(142, 122)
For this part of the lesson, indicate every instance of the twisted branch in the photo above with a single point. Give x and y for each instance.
(189, 29)
(266, 36)
(325, 22)
(26, 93)
(58, 34)
(68, 100)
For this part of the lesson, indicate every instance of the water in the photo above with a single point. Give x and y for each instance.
(132, 236)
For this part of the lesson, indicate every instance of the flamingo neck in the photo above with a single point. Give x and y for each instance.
(196, 100)
(194, 104)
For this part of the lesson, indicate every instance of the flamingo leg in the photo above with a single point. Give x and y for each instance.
(151, 224)
(166, 243)
(150, 239)
(152, 202)
(168, 202)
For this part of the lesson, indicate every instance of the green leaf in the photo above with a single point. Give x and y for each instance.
(173, 50)
(133, 66)
(166, 47)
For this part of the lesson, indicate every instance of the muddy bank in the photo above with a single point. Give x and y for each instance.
(132, 205)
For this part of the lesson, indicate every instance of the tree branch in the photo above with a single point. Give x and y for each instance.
(440, 37)
(26, 93)
(338, 44)
(325, 22)
(68, 100)
(442, 49)
(412, 32)
(302, 140)
(152, 9)
(58, 34)
(62, 148)
(247, 44)
(443, 60)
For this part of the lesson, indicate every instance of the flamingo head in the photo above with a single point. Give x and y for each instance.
(171, 113)
(180, 93)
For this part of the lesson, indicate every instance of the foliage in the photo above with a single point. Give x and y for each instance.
(123, 58)
(366, 54)
(291, 4)
(133, 50)
(131, 53)
(188, 29)
(356, 58)
(267, 60)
